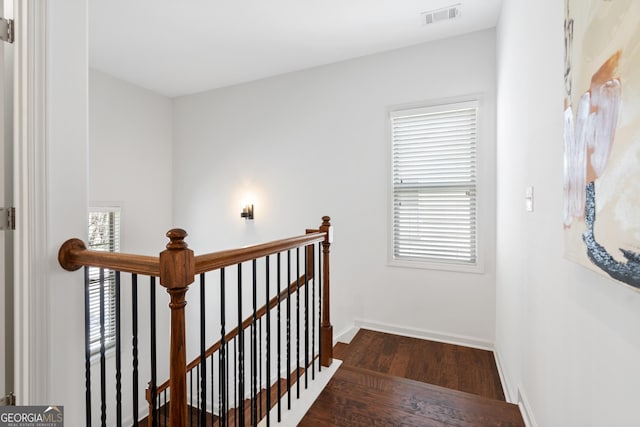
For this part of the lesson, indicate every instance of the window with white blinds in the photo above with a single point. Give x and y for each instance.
(434, 184)
(104, 235)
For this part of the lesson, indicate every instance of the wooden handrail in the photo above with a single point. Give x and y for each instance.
(261, 312)
(177, 266)
(226, 258)
(73, 254)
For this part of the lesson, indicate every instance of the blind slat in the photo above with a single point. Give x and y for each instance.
(434, 183)
(104, 235)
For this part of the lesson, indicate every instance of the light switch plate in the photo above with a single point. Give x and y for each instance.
(528, 199)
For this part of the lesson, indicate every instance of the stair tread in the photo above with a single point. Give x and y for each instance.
(387, 382)
(392, 387)
(262, 396)
(452, 366)
(359, 397)
(339, 350)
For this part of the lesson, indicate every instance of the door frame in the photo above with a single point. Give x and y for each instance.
(31, 261)
(4, 200)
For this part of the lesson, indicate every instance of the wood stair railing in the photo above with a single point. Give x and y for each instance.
(261, 312)
(232, 415)
(177, 267)
(273, 390)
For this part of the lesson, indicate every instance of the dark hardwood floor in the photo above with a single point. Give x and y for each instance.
(388, 380)
(447, 365)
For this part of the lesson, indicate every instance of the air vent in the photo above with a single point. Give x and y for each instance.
(444, 14)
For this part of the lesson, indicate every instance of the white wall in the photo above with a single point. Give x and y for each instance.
(130, 140)
(566, 337)
(131, 129)
(66, 199)
(315, 143)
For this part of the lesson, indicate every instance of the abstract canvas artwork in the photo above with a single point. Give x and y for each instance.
(602, 136)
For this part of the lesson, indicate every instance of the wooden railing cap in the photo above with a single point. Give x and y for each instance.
(327, 228)
(176, 237)
(177, 263)
(67, 251)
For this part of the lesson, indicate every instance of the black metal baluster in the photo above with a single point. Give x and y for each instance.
(268, 344)
(240, 352)
(279, 340)
(222, 355)
(190, 397)
(260, 364)
(213, 389)
(289, 329)
(203, 350)
(313, 317)
(298, 323)
(87, 347)
(166, 408)
(226, 375)
(226, 392)
(197, 405)
(254, 346)
(134, 344)
(306, 319)
(118, 354)
(154, 367)
(103, 362)
(235, 380)
(319, 307)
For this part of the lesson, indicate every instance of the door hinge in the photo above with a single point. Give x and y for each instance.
(7, 218)
(8, 400)
(7, 33)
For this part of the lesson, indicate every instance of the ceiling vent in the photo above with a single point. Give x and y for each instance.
(444, 14)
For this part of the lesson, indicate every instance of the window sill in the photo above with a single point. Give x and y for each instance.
(477, 268)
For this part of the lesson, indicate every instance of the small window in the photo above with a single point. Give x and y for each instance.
(104, 235)
(434, 184)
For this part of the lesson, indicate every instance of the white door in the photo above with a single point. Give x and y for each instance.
(6, 201)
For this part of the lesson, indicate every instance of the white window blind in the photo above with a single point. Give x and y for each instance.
(104, 235)
(434, 184)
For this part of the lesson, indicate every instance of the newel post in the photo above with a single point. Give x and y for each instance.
(325, 326)
(177, 272)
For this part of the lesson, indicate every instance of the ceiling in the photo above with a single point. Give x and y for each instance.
(178, 47)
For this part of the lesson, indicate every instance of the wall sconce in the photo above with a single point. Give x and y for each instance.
(247, 212)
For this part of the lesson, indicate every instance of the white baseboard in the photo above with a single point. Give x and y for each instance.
(307, 397)
(320, 381)
(425, 334)
(525, 409)
(509, 395)
(346, 335)
(518, 396)
(142, 413)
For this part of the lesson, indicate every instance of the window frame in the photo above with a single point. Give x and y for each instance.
(431, 106)
(110, 329)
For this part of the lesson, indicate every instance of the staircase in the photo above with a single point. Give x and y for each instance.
(233, 415)
(397, 381)
(253, 343)
(384, 380)
(390, 380)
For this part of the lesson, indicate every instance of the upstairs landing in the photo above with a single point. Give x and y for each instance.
(390, 380)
